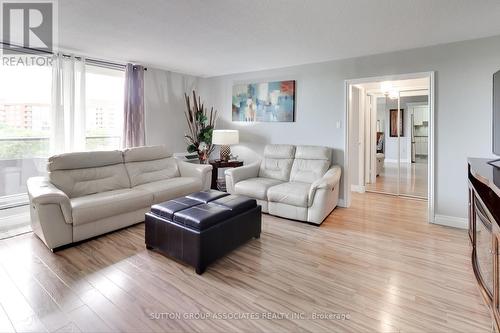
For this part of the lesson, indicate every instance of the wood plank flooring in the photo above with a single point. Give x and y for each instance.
(14, 221)
(377, 266)
(412, 181)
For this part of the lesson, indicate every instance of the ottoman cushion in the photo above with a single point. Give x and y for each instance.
(168, 208)
(237, 204)
(202, 216)
(207, 196)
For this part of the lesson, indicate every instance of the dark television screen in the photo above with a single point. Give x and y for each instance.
(496, 113)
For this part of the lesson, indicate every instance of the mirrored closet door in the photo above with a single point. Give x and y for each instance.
(414, 158)
(398, 152)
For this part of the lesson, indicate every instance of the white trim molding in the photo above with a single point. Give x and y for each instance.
(431, 147)
(358, 188)
(432, 111)
(451, 221)
(341, 203)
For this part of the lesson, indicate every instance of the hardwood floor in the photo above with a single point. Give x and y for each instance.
(377, 265)
(413, 179)
(14, 221)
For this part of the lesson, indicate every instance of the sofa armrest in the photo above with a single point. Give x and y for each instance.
(238, 174)
(324, 195)
(42, 192)
(202, 171)
(329, 182)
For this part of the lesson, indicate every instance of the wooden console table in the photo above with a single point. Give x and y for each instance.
(484, 232)
(218, 164)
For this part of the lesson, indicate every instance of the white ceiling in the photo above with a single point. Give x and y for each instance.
(215, 37)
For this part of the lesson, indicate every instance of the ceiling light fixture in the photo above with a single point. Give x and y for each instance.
(389, 90)
(393, 94)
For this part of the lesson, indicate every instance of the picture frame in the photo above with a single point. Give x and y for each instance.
(393, 119)
(264, 101)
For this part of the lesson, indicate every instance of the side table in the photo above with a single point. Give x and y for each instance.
(218, 164)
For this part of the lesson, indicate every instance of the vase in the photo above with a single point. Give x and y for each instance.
(203, 157)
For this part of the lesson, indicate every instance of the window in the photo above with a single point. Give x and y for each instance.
(25, 121)
(25, 100)
(104, 107)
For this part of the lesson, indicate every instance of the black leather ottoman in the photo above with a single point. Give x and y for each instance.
(202, 227)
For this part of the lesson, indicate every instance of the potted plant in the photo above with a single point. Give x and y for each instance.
(201, 124)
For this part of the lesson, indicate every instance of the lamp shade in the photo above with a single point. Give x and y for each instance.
(225, 137)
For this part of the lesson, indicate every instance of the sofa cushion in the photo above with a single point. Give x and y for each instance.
(97, 206)
(313, 153)
(143, 172)
(82, 160)
(277, 162)
(310, 163)
(80, 182)
(307, 171)
(292, 193)
(255, 187)
(169, 189)
(146, 153)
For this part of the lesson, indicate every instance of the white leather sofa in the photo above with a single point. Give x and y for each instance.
(91, 193)
(295, 182)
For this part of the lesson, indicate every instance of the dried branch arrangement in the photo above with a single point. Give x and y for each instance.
(201, 124)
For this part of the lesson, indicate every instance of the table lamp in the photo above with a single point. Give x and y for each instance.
(225, 138)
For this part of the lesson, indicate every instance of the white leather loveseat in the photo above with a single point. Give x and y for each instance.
(295, 182)
(91, 193)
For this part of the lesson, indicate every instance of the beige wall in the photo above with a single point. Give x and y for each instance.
(164, 107)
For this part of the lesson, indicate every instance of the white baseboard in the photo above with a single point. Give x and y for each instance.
(358, 188)
(451, 221)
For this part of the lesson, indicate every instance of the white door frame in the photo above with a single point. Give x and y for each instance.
(431, 186)
(412, 105)
(362, 133)
(367, 149)
(371, 163)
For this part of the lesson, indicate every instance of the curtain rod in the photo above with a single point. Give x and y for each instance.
(89, 60)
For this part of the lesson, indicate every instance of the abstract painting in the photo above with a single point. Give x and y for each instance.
(264, 102)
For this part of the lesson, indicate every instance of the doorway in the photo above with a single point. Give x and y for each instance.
(389, 136)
